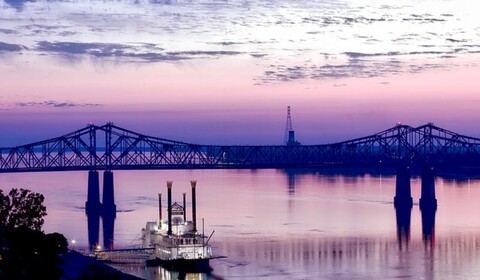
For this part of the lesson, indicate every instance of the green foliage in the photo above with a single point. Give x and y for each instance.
(22, 208)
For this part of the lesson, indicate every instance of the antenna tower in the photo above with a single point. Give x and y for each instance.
(288, 127)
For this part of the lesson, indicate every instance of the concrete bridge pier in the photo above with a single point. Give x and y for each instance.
(108, 201)
(403, 194)
(428, 199)
(93, 204)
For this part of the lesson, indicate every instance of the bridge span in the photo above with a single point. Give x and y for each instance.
(109, 147)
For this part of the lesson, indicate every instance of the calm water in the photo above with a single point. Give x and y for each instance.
(276, 225)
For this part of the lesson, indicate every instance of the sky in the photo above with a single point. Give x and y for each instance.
(224, 71)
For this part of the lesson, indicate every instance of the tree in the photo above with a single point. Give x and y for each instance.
(25, 251)
(22, 208)
(30, 254)
(4, 209)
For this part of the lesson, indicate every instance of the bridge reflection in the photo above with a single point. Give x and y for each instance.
(403, 218)
(403, 215)
(339, 256)
(428, 226)
(108, 230)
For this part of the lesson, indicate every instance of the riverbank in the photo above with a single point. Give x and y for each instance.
(76, 265)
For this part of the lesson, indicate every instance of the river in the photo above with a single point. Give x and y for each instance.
(277, 224)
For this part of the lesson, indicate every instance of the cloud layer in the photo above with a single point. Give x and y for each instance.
(288, 40)
(6, 47)
(55, 104)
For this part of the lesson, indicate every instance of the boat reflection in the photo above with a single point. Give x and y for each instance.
(160, 273)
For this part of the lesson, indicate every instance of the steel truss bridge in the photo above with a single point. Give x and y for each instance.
(110, 147)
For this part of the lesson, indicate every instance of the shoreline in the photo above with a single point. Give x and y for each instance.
(76, 265)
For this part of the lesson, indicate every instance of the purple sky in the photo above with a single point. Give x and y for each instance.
(223, 72)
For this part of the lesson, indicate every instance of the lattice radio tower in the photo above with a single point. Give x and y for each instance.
(289, 137)
(288, 126)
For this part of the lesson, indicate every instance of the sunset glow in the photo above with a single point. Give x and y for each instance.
(224, 72)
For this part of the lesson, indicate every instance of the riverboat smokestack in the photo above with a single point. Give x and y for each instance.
(159, 209)
(184, 207)
(169, 207)
(194, 205)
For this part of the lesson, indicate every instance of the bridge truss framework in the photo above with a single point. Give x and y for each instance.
(110, 147)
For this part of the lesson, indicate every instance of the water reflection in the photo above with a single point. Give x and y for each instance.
(428, 226)
(319, 257)
(403, 215)
(159, 273)
(315, 257)
(273, 225)
(93, 228)
(290, 181)
(108, 224)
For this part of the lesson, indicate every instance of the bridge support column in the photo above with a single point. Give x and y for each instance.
(428, 199)
(93, 193)
(108, 205)
(403, 194)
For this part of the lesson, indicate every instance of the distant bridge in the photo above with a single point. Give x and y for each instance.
(110, 147)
